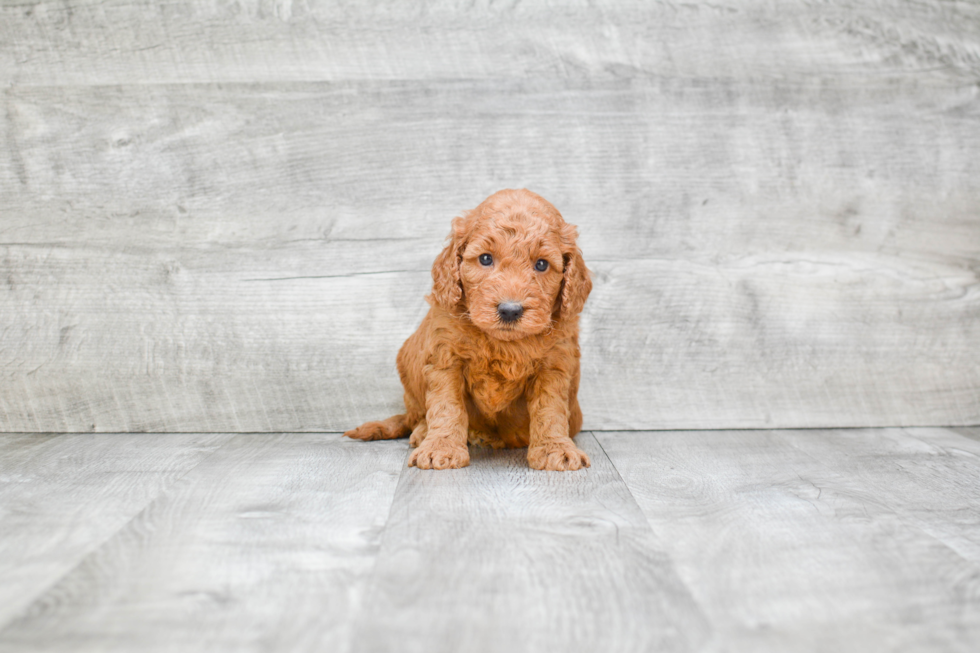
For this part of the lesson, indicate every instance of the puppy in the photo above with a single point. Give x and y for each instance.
(496, 359)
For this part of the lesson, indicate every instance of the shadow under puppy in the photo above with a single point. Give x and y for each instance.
(496, 359)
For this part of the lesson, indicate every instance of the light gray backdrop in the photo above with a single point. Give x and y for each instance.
(221, 215)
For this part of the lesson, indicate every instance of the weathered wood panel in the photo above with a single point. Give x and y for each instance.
(264, 546)
(500, 557)
(62, 497)
(795, 541)
(52, 42)
(779, 203)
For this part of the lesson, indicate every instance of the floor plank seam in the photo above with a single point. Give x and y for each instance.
(370, 577)
(622, 480)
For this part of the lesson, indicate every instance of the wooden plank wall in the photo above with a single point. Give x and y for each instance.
(220, 216)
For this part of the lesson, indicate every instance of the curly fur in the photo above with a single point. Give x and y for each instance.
(468, 375)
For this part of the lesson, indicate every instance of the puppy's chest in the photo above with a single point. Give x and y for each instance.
(494, 385)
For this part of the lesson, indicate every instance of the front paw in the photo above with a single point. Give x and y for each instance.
(560, 456)
(439, 453)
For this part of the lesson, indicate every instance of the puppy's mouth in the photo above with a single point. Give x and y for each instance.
(515, 330)
(507, 331)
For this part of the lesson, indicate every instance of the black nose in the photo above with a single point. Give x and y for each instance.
(510, 311)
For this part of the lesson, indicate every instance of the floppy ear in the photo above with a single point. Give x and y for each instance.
(576, 282)
(447, 288)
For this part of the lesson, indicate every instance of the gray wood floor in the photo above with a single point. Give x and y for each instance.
(810, 540)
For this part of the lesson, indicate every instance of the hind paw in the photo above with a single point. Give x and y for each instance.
(391, 428)
(369, 431)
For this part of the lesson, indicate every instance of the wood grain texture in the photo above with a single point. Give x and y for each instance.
(62, 497)
(797, 541)
(101, 43)
(928, 476)
(783, 541)
(265, 546)
(779, 202)
(500, 557)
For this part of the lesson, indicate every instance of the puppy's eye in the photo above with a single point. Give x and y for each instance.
(541, 265)
(486, 259)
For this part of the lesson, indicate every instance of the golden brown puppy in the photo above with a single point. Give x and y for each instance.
(496, 359)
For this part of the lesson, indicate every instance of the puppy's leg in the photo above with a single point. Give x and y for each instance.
(418, 433)
(415, 418)
(389, 429)
(444, 446)
(550, 445)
